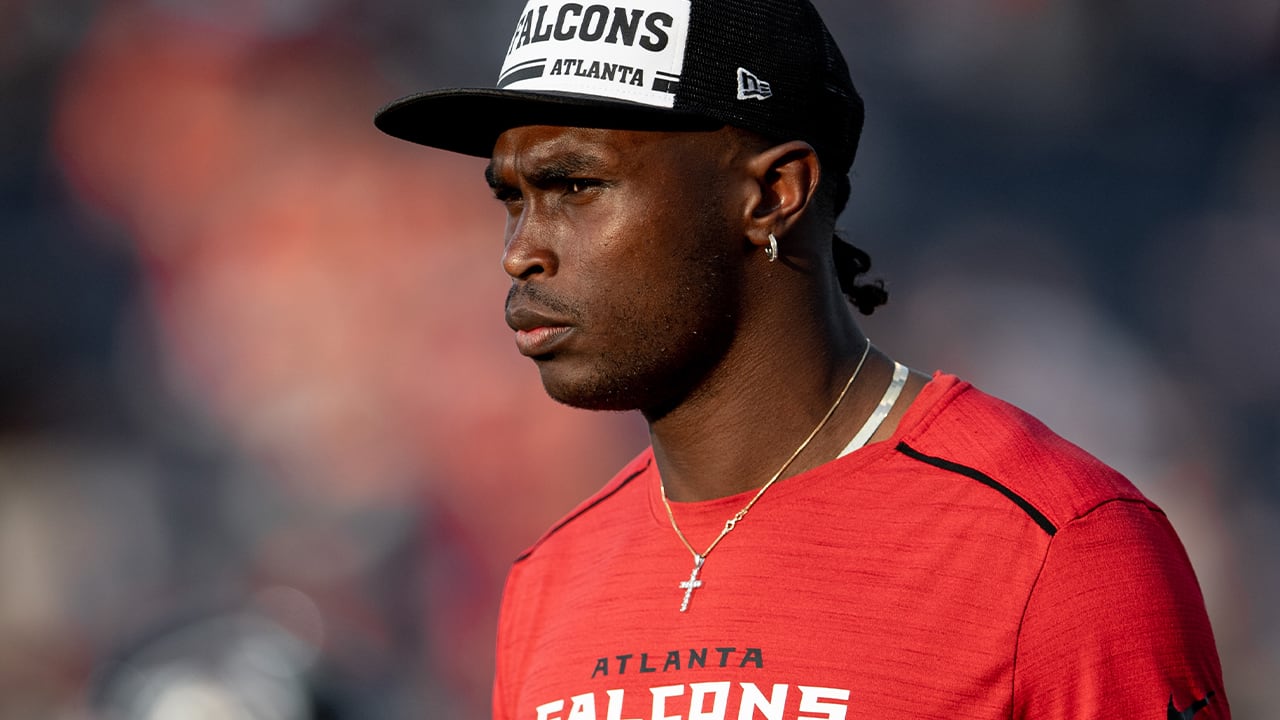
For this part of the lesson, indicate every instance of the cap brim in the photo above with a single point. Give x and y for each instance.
(470, 120)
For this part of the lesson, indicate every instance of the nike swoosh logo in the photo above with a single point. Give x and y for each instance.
(1190, 712)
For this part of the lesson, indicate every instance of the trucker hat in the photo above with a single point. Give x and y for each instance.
(769, 66)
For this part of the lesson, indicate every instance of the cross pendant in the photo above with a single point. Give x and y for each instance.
(693, 583)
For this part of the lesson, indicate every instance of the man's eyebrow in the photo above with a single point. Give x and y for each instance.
(550, 171)
(562, 166)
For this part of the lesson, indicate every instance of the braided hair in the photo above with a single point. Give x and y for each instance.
(852, 262)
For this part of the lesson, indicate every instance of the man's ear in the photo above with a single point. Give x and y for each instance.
(787, 176)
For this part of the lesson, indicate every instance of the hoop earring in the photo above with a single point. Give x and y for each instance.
(771, 251)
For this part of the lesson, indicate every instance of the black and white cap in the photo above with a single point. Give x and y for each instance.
(770, 66)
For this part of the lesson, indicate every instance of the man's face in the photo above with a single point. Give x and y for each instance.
(624, 249)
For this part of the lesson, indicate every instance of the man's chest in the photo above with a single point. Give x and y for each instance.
(774, 629)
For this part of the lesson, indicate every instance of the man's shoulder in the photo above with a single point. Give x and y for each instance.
(966, 431)
(625, 478)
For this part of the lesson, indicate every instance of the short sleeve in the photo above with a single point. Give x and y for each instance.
(1115, 626)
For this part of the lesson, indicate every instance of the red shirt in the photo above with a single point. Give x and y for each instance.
(975, 565)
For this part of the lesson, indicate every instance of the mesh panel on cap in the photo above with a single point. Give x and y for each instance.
(786, 45)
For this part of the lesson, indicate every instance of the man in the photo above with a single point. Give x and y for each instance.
(816, 532)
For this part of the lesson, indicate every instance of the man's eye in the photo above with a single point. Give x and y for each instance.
(577, 185)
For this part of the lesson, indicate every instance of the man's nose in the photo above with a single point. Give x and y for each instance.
(527, 252)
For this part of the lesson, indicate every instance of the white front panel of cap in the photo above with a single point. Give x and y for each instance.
(623, 50)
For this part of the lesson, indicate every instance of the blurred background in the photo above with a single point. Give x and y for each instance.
(266, 447)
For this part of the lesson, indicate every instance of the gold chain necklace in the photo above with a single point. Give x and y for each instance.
(693, 583)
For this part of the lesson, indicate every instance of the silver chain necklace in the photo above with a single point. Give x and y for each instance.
(693, 583)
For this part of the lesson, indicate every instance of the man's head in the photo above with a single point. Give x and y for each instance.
(645, 151)
(634, 254)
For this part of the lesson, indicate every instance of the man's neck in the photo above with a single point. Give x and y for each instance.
(746, 421)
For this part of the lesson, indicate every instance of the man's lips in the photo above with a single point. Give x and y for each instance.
(536, 333)
(540, 340)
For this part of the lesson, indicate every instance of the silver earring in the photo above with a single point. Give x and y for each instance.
(771, 251)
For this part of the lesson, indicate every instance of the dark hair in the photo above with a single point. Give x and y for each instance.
(851, 262)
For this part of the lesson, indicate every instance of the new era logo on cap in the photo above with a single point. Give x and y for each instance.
(630, 50)
(751, 87)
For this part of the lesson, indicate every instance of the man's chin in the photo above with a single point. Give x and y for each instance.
(588, 393)
(584, 400)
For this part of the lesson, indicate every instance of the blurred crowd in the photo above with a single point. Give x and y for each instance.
(266, 447)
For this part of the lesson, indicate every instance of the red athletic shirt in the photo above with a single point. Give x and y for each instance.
(975, 565)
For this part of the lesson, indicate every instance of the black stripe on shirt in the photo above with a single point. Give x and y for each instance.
(983, 478)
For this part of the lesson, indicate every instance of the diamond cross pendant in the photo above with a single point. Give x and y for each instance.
(693, 583)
